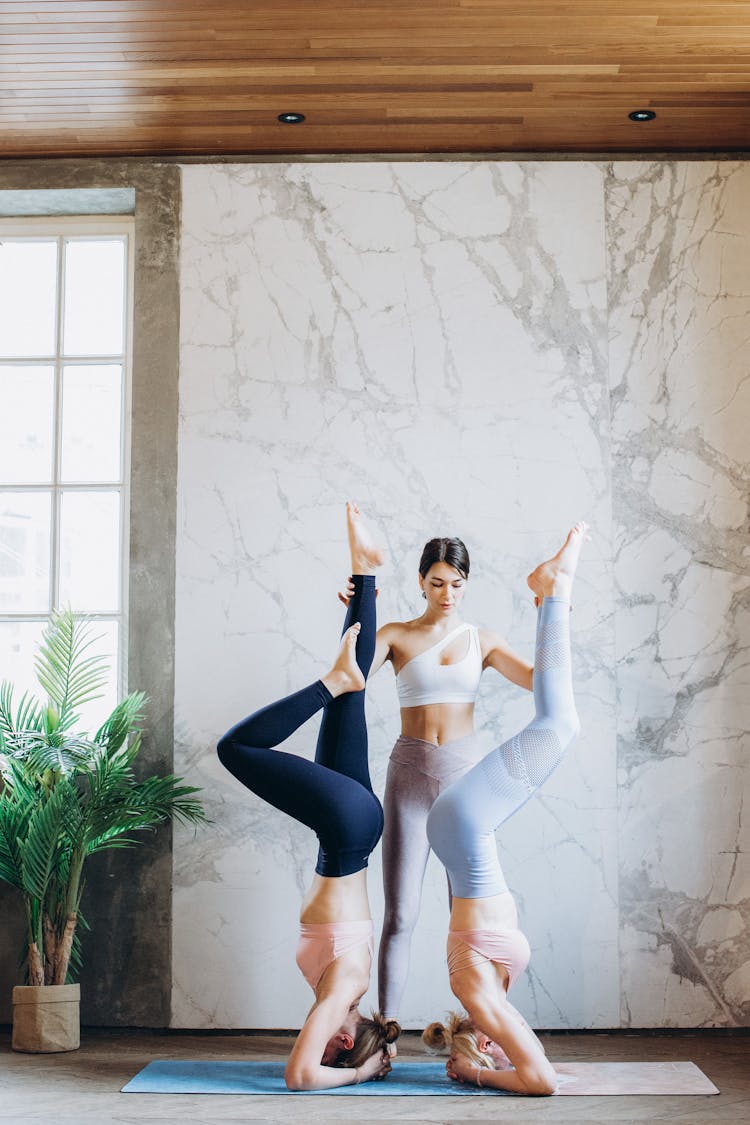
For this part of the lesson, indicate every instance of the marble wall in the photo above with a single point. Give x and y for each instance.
(490, 350)
(679, 297)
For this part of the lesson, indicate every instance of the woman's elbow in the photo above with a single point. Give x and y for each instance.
(298, 1078)
(225, 750)
(544, 1089)
(541, 1083)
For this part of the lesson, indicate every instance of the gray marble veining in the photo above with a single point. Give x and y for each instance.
(679, 298)
(490, 350)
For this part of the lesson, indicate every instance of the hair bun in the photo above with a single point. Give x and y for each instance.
(389, 1029)
(434, 1036)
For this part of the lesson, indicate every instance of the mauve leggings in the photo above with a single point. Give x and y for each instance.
(458, 813)
(333, 794)
(418, 772)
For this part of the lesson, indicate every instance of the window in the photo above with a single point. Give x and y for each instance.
(65, 315)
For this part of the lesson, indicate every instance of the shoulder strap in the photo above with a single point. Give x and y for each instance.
(449, 637)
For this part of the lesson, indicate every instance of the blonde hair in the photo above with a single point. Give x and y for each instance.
(458, 1035)
(372, 1036)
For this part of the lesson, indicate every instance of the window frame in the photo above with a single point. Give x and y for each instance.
(83, 228)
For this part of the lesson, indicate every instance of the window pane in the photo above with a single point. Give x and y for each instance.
(94, 289)
(19, 641)
(26, 424)
(90, 551)
(28, 280)
(24, 552)
(91, 423)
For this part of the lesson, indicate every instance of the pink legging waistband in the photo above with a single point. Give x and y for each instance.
(506, 947)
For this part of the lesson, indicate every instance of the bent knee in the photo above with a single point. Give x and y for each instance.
(226, 751)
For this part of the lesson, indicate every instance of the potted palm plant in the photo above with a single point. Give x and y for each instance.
(64, 796)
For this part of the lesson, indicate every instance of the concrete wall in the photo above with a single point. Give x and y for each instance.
(127, 901)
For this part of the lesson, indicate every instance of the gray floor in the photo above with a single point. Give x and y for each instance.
(84, 1085)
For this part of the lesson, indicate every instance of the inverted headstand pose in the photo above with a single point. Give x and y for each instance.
(438, 660)
(495, 1047)
(334, 797)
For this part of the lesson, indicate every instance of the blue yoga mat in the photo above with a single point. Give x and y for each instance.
(185, 1076)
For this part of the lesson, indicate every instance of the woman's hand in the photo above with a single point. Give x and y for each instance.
(461, 1069)
(377, 1066)
(345, 598)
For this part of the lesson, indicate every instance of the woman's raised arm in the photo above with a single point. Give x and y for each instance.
(497, 654)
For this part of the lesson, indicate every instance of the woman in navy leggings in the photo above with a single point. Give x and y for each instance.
(334, 797)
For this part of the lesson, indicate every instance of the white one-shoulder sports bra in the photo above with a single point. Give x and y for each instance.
(423, 679)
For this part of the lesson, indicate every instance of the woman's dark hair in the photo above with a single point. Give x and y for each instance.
(450, 551)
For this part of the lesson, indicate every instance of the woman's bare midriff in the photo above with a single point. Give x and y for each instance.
(342, 899)
(438, 722)
(495, 912)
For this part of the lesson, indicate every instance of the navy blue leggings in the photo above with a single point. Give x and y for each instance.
(333, 794)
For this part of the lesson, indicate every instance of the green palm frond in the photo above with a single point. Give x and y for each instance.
(64, 755)
(69, 677)
(20, 783)
(27, 717)
(165, 797)
(122, 723)
(40, 850)
(118, 806)
(109, 800)
(108, 790)
(112, 838)
(14, 818)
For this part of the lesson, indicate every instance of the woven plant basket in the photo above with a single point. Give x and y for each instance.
(46, 1018)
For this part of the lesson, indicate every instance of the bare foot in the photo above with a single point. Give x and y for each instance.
(345, 674)
(366, 555)
(554, 578)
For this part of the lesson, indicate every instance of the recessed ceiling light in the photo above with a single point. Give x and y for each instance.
(642, 115)
(291, 118)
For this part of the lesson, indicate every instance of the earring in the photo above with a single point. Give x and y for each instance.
(424, 595)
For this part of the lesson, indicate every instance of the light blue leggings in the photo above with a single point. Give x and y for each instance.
(462, 822)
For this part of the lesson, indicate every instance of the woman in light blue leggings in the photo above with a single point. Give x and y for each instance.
(486, 950)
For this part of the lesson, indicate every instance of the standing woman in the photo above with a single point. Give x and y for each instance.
(438, 660)
(334, 797)
(486, 950)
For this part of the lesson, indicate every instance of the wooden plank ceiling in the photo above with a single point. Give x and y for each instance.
(88, 77)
